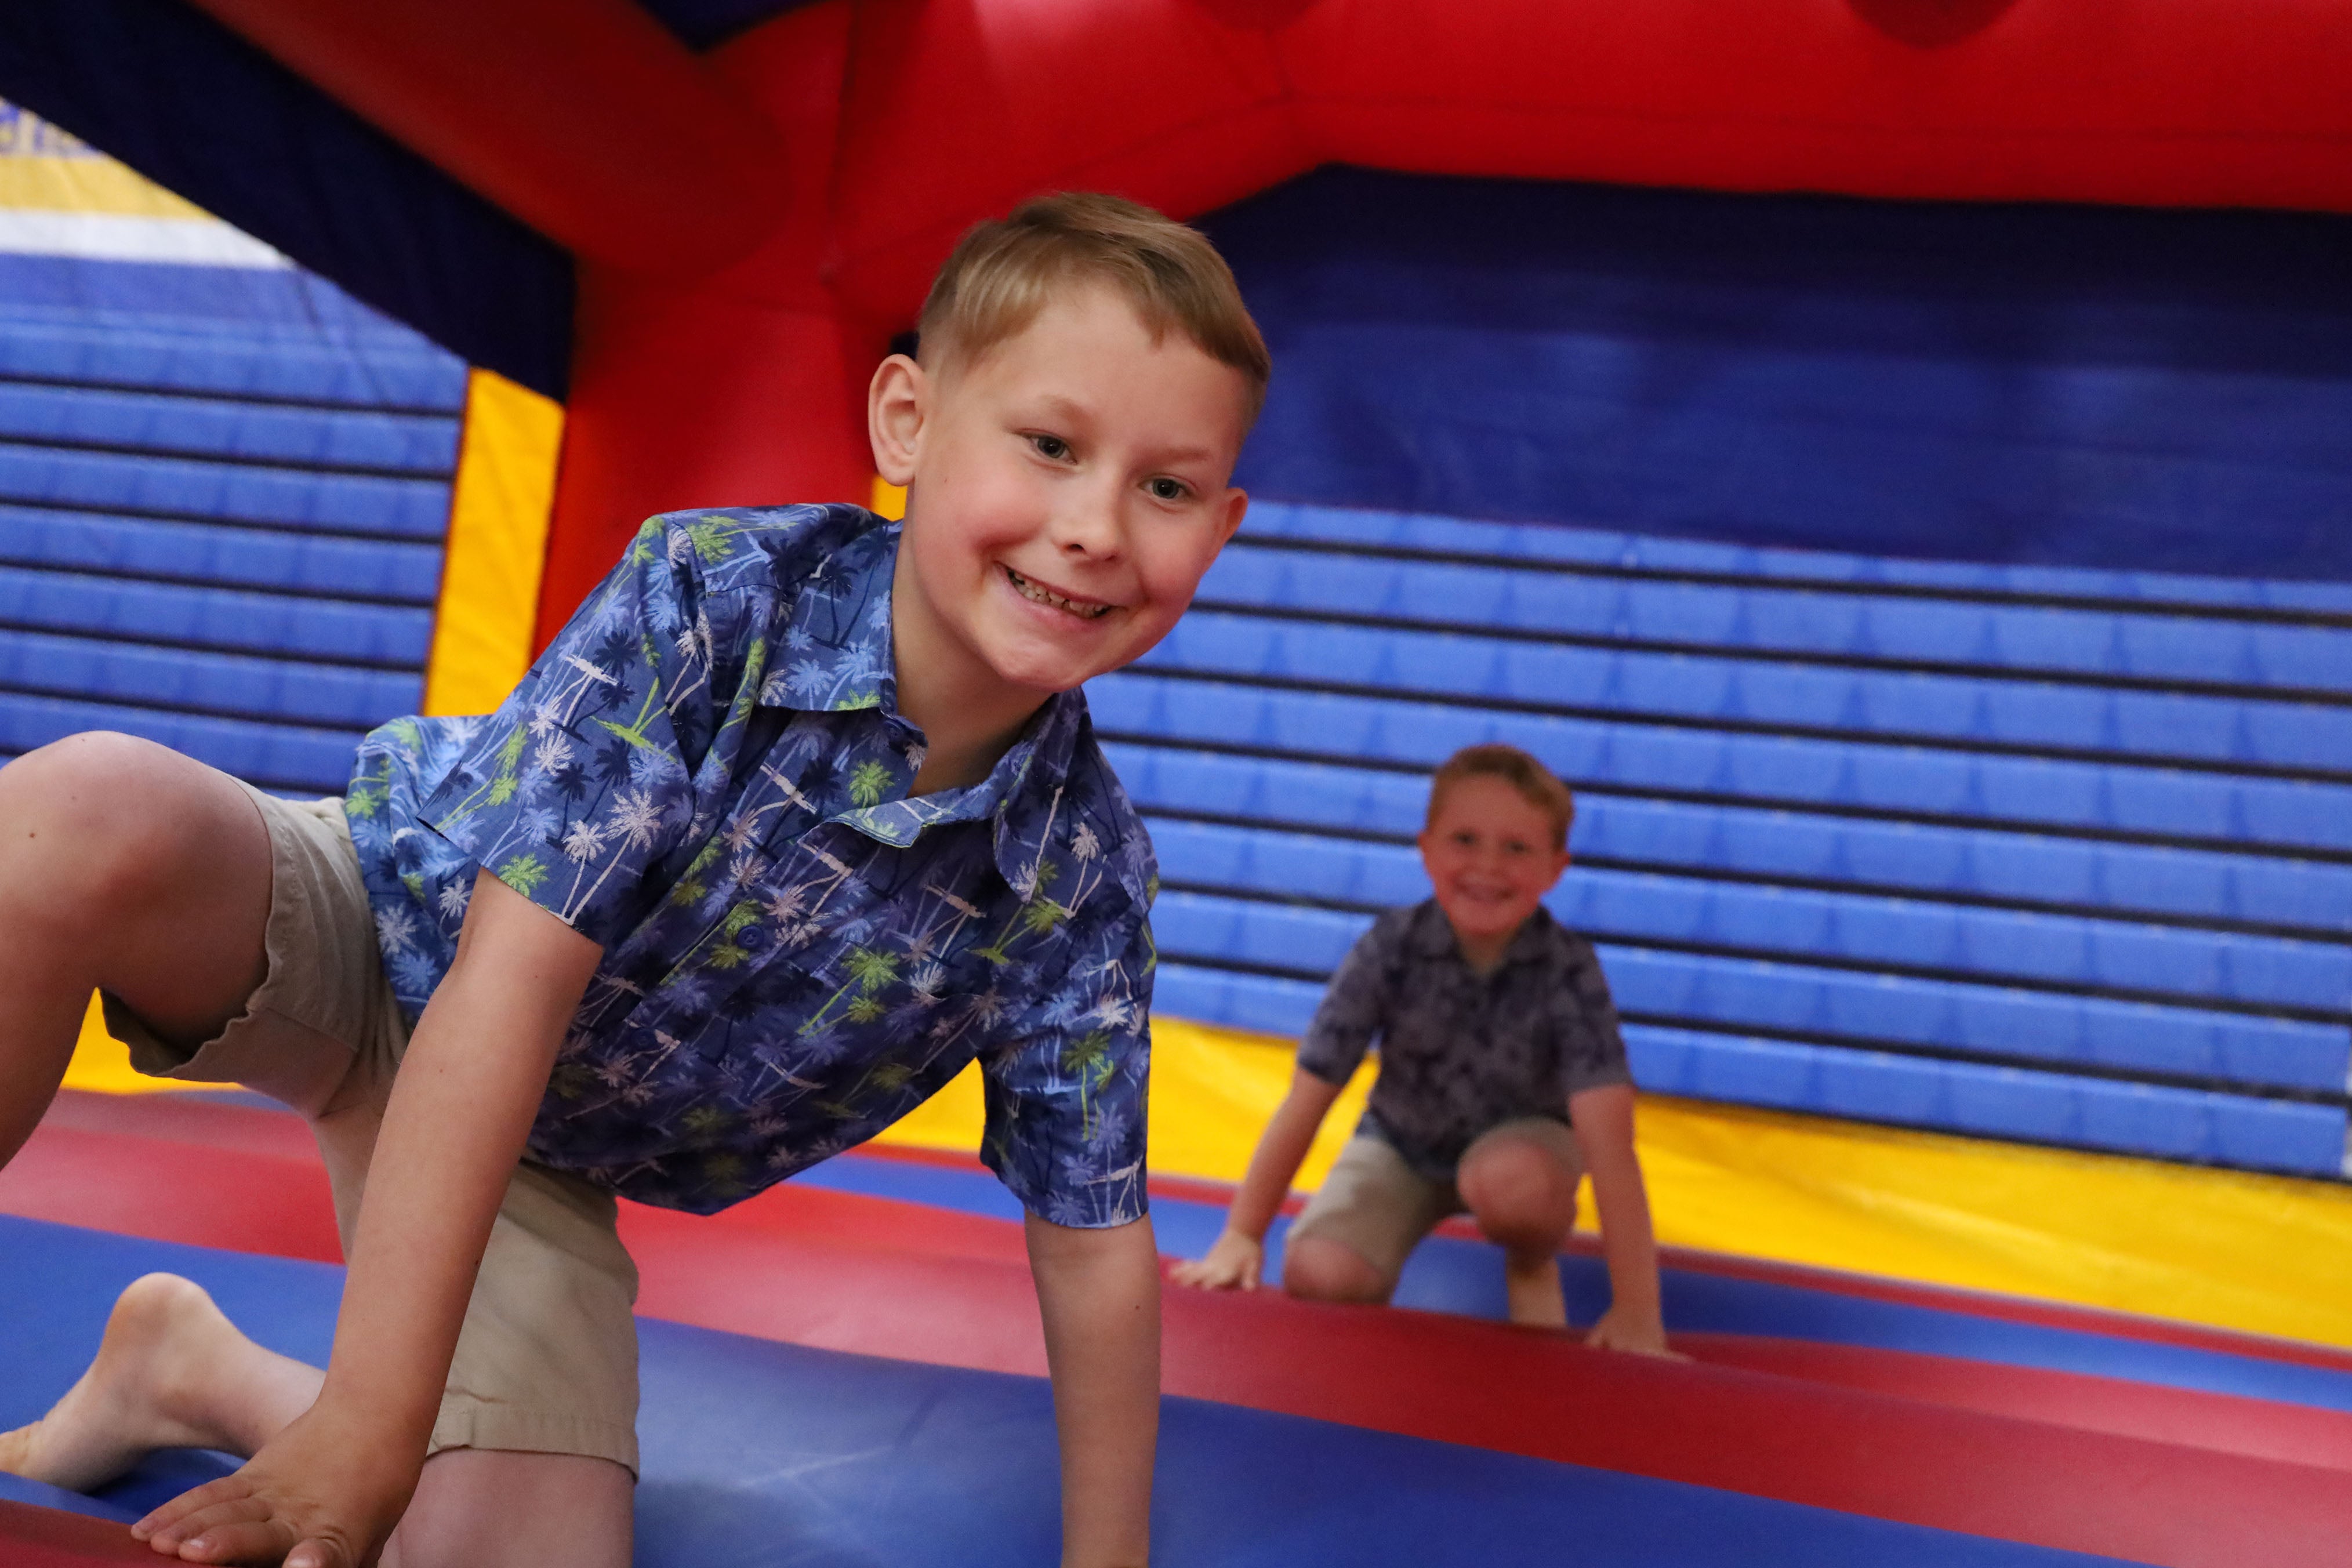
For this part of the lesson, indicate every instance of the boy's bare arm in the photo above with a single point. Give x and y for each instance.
(1239, 1254)
(1098, 1291)
(327, 1491)
(1604, 1129)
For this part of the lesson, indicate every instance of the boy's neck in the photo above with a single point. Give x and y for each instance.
(969, 716)
(1483, 954)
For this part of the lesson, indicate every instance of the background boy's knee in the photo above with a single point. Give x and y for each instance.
(1518, 1190)
(1319, 1270)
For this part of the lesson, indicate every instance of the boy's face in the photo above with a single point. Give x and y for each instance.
(1488, 851)
(1066, 490)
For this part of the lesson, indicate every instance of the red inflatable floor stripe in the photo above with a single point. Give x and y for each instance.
(2230, 1424)
(882, 1278)
(48, 1538)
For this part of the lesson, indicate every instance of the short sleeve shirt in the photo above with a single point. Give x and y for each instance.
(1462, 1052)
(706, 773)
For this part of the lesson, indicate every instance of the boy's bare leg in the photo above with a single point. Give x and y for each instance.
(174, 1373)
(127, 865)
(1524, 1198)
(1317, 1270)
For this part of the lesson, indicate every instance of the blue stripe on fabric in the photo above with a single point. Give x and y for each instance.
(1927, 857)
(221, 555)
(194, 107)
(184, 426)
(103, 326)
(1687, 686)
(1767, 618)
(1633, 756)
(1383, 528)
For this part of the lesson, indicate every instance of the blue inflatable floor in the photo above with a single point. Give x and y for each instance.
(772, 1454)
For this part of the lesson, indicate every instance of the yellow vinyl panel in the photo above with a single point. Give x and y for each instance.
(2266, 1255)
(496, 546)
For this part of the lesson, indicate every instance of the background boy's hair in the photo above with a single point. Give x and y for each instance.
(1002, 273)
(1534, 780)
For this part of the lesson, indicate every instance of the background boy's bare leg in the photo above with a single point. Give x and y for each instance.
(127, 865)
(1523, 1196)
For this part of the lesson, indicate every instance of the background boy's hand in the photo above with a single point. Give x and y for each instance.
(317, 1495)
(1625, 1329)
(1235, 1260)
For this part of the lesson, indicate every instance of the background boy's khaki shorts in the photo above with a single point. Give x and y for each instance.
(547, 1362)
(1379, 1208)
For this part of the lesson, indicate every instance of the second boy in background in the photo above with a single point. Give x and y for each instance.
(1502, 1080)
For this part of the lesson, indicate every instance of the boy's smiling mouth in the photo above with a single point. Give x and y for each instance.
(1038, 593)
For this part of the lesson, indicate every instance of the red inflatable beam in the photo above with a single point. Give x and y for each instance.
(747, 389)
(881, 1277)
(583, 118)
(48, 1538)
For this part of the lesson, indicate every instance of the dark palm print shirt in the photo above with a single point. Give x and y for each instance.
(706, 772)
(1461, 1053)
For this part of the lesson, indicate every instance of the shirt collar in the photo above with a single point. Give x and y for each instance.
(836, 651)
(837, 656)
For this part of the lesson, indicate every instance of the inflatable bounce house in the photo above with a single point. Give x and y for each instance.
(1893, 457)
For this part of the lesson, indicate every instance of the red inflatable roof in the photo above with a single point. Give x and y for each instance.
(752, 224)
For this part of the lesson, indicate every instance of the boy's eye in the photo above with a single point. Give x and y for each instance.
(1165, 488)
(1050, 447)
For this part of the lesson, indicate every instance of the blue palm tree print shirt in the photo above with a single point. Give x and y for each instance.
(706, 773)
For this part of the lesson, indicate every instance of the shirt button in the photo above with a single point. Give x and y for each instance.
(752, 937)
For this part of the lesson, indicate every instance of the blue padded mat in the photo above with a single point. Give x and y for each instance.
(765, 1453)
(1447, 1275)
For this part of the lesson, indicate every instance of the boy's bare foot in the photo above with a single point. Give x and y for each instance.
(163, 1342)
(1531, 1286)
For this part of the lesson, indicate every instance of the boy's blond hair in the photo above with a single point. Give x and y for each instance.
(1000, 274)
(1537, 784)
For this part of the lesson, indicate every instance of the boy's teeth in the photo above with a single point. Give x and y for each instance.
(1029, 590)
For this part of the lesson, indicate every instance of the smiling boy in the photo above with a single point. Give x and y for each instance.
(801, 814)
(1503, 1079)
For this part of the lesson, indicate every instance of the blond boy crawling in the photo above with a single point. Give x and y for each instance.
(801, 814)
(1502, 1080)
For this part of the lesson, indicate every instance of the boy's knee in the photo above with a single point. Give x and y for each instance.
(88, 819)
(1318, 1270)
(1519, 1192)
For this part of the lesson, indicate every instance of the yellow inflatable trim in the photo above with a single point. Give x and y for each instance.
(496, 546)
(2265, 1255)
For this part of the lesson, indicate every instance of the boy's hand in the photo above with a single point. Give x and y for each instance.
(1625, 1329)
(317, 1495)
(1235, 1261)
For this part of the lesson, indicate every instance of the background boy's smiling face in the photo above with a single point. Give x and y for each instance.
(1066, 489)
(1489, 853)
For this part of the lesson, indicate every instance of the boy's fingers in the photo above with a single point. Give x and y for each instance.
(248, 1542)
(188, 1502)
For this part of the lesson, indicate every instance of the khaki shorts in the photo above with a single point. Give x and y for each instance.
(1379, 1208)
(547, 1362)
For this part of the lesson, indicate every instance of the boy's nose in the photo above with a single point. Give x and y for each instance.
(1088, 523)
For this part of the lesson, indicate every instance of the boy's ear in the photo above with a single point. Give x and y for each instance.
(897, 402)
(1236, 505)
